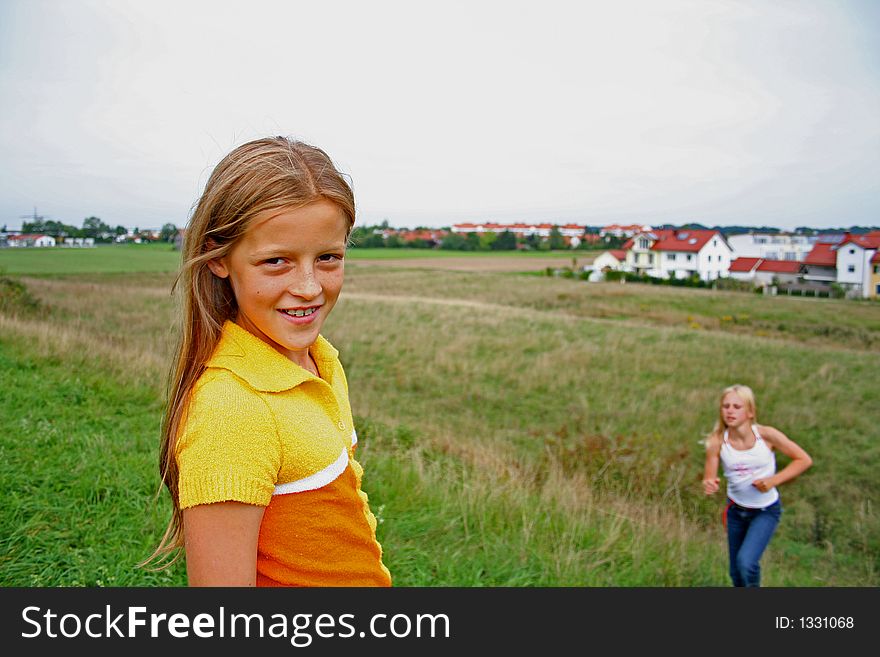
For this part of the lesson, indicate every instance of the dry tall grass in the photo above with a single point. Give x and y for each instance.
(578, 410)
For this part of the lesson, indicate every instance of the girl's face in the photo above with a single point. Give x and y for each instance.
(734, 410)
(286, 273)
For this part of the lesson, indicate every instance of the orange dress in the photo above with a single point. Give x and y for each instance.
(264, 431)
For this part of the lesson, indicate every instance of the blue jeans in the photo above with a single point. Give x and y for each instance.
(748, 533)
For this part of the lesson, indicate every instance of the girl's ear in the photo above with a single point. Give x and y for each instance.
(218, 268)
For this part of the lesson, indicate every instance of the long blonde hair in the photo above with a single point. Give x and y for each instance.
(260, 176)
(743, 392)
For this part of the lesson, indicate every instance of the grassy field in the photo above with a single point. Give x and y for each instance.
(515, 430)
(160, 257)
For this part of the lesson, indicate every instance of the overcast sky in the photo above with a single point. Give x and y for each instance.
(657, 111)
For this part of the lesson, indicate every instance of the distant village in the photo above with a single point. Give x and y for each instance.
(819, 264)
(805, 262)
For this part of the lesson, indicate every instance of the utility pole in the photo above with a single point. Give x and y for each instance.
(35, 217)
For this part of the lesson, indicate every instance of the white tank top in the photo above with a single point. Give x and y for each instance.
(743, 466)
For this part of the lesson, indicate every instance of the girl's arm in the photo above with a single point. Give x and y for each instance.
(710, 472)
(800, 460)
(221, 543)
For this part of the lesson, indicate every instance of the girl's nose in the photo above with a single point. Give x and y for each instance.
(304, 284)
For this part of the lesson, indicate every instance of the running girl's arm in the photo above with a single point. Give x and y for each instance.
(710, 472)
(221, 543)
(800, 460)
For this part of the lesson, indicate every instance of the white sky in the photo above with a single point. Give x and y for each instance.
(722, 112)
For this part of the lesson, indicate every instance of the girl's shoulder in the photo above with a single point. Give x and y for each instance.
(221, 393)
(769, 434)
(713, 441)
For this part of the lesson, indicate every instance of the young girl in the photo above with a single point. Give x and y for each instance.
(745, 449)
(258, 438)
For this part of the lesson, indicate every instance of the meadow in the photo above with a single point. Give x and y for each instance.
(516, 430)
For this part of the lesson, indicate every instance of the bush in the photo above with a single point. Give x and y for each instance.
(734, 285)
(15, 298)
(692, 281)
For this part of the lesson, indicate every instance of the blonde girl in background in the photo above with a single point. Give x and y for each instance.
(258, 437)
(746, 451)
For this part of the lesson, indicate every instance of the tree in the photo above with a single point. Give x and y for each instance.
(54, 228)
(120, 230)
(486, 240)
(454, 242)
(168, 233)
(374, 241)
(613, 241)
(506, 241)
(94, 227)
(556, 239)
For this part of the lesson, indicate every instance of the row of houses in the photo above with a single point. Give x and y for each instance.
(572, 234)
(37, 240)
(852, 262)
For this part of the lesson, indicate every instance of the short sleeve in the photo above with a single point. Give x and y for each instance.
(228, 449)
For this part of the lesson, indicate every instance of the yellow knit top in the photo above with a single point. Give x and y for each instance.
(262, 430)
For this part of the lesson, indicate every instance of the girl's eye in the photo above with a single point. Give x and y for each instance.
(273, 261)
(330, 257)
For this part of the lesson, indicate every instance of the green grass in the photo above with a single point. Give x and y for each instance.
(514, 430)
(159, 257)
(109, 258)
(393, 254)
(78, 464)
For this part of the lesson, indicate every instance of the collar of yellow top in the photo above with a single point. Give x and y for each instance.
(265, 369)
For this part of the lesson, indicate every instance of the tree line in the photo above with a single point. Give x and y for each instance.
(372, 237)
(92, 227)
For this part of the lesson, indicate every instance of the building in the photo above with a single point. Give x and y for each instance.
(820, 265)
(606, 261)
(616, 230)
(679, 253)
(79, 242)
(770, 246)
(573, 234)
(855, 265)
(849, 263)
(875, 276)
(764, 272)
(30, 240)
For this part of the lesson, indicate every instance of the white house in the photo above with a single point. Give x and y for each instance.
(79, 241)
(29, 239)
(853, 262)
(616, 230)
(612, 260)
(678, 252)
(769, 246)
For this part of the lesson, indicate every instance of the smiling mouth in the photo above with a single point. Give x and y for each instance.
(300, 312)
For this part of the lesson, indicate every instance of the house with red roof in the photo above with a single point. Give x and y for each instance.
(30, 240)
(854, 263)
(849, 262)
(820, 265)
(611, 260)
(678, 252)
(617, 230)
(763, 271)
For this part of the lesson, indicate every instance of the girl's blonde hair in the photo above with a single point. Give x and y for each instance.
(261, 176)
(743, 392)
